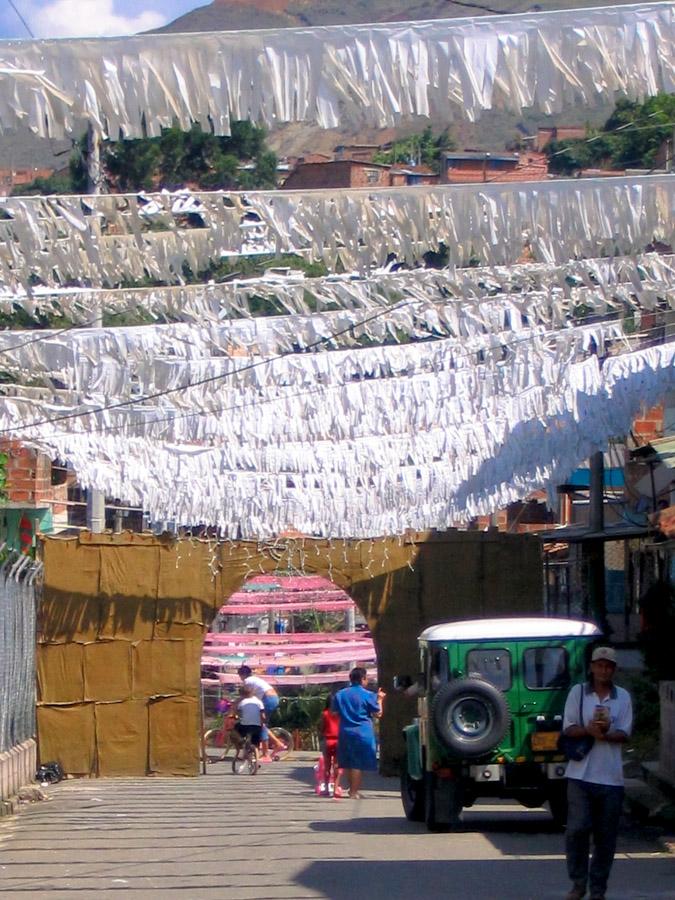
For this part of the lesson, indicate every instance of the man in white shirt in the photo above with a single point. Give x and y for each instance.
(264, 691)
(595, 783)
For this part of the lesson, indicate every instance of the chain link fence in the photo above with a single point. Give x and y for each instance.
(18, 576)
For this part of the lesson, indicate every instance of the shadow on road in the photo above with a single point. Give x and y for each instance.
(479, 879)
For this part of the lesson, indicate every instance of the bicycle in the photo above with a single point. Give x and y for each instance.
(218, 741)
(285, 738)
(246, 758)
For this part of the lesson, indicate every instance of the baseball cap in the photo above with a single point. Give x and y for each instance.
(604, 653)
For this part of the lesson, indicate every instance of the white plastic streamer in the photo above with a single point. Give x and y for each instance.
(416, 451)
(101, 240)
(361, 74)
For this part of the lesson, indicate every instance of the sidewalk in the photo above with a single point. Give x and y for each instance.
(651, 802)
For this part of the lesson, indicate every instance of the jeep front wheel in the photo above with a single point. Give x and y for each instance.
(470, 716)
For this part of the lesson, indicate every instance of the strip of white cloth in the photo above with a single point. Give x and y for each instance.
(130, 362)
(102, 240)
(293, 294)
(497, 455)
(361, 74)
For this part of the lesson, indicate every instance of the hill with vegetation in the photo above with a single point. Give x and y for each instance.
(237, 15)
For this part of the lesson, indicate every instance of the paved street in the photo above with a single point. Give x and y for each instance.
(269, 837)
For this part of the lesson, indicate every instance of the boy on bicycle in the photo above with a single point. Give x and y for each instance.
(251, 716)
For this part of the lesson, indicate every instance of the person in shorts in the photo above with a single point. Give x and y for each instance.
(251, 715)
(264, 691)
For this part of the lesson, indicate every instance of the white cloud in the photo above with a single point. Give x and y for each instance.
(89, 18)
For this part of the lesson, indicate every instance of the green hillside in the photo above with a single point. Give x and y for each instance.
(236, 15)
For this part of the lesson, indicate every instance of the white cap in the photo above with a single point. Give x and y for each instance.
(604, 653)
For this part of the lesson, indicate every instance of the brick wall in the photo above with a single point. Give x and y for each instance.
(337, 174)
(649, 425)
(29, 474)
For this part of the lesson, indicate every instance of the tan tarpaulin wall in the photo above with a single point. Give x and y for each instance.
(122, 621)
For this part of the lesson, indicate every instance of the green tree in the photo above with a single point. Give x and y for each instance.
(630, 138)
(421, 148)
(132, 164)
(196, 158)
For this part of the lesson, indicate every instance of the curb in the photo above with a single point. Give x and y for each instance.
(667, 843)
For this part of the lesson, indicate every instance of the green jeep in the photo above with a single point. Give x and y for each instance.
(490, 701)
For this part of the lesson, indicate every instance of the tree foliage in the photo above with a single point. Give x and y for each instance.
(630, 138)
(176, 158)
(423, 148)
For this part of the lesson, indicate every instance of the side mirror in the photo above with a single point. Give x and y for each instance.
(402, 682)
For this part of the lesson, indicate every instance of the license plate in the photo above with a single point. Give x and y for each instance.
(545, 740)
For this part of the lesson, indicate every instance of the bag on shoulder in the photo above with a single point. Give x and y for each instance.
(576, 748)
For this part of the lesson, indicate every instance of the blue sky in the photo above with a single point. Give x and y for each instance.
(90, 18)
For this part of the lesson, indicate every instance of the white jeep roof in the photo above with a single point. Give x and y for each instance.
(510, 629)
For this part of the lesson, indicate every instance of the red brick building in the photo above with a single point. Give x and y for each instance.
(558, 133)
(339, 173)
(475, 166)
(12, 178)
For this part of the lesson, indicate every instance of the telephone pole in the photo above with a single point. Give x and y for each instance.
(95, 499)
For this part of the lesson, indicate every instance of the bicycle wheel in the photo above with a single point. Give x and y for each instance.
(286, 739)
(245, 760)
(216, 745)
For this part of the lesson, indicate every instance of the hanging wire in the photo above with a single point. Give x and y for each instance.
(21, 17)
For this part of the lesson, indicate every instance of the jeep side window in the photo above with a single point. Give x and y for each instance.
(492, 665)
(546, 668)
(438, 668)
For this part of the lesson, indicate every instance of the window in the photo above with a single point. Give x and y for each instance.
(492, 665)
(438, 668)
(372, 175)
(546, 667)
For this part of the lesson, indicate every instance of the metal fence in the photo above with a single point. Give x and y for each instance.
(18, 576)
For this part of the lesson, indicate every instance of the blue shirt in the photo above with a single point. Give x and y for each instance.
(355, 705)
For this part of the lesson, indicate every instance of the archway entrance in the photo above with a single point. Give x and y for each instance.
(122, 622)
(301, 635)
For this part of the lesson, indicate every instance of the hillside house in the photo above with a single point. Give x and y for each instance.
(475, 166)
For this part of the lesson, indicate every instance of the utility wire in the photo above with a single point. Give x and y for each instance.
(23, 21)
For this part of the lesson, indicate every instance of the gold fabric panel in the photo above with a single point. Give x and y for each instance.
(122, 738)
(107, 671)
(174, 736)
(67, 735)
(159, 669)
(130, 571)
(60, 673)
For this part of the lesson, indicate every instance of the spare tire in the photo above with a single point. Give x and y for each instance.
(470, 716)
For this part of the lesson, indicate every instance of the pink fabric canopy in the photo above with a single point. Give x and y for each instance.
(280, 680)
(287, 594)
(300, 637)
(253, 608)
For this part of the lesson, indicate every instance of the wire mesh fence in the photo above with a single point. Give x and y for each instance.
(18, 575)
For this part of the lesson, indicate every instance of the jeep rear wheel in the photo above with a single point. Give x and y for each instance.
(412, 797)
(470, 716)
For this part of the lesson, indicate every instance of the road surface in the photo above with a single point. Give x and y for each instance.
(268, 837)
